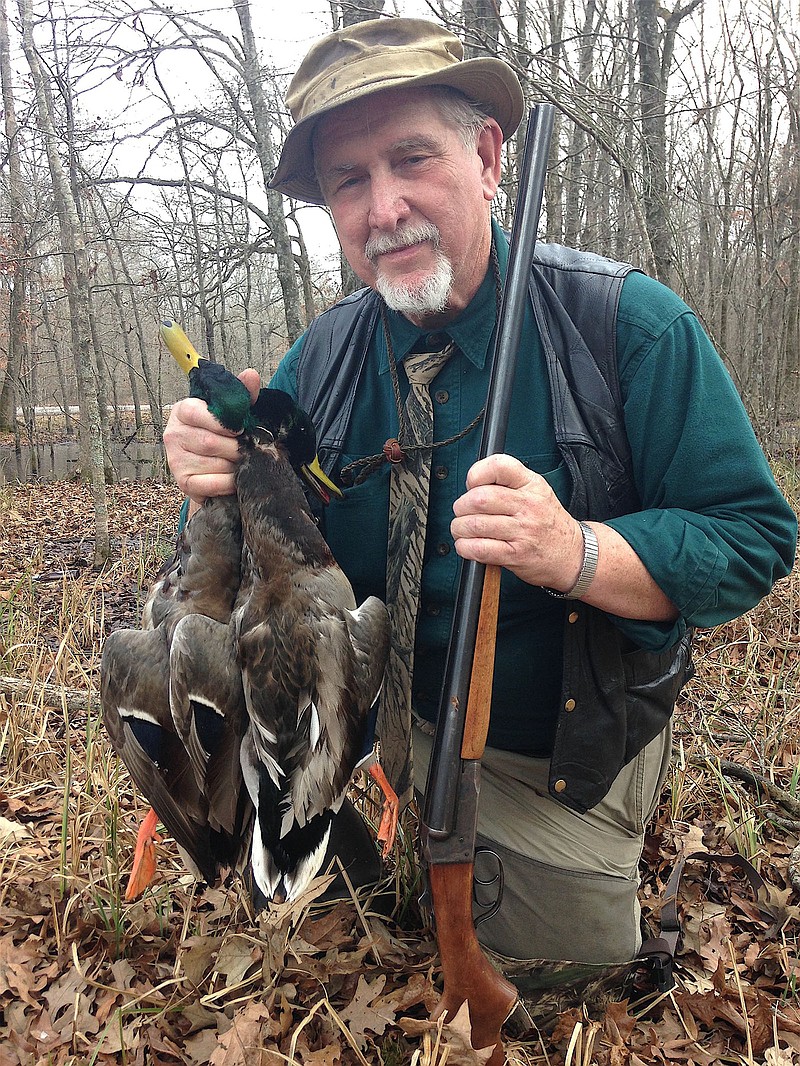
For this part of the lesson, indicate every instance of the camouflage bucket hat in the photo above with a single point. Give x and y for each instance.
(369, 57)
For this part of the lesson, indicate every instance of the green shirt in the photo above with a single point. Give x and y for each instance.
(714, 531)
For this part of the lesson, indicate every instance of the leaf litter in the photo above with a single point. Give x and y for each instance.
(188, 974)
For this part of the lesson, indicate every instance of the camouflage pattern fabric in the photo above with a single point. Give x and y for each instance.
(549, 988)
(408, 515)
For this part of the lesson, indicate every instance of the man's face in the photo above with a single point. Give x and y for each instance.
(410, 200)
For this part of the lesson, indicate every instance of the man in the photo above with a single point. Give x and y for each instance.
(614, 540)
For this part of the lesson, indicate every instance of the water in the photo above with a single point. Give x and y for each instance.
(60, 462)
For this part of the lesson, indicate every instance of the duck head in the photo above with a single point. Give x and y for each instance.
(279, 422)
(227, 397)
(274, 419)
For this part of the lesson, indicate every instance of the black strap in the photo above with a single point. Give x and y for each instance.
(658, 953)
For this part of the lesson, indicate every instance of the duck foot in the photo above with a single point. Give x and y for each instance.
(387, 830)
(144, 859)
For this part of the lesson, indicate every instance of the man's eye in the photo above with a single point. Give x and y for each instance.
(347, 183)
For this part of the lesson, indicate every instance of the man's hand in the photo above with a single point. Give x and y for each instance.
(511, 517)
(201, 453)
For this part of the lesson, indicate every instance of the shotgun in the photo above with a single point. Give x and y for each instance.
(450, 812)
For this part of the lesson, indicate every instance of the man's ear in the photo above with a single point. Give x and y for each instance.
(489, 148)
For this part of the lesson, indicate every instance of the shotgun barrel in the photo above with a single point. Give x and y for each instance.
(450, 811)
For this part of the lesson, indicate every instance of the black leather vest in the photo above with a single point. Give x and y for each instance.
(615, 697)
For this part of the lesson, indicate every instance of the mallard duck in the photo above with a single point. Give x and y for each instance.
(279, 698)
(312, 662)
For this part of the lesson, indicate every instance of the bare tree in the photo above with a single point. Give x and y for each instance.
(17, 251)
(349, 12)
(251, 72)
(656, 54)
(76, 281)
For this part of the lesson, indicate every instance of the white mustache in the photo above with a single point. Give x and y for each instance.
(404, 238)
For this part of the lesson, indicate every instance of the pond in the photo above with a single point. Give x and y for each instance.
(60, 462)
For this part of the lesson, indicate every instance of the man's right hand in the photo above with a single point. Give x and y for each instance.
(201, 453)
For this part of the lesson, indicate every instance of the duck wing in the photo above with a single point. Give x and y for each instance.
(208, 711)
(136, 713)
(351, 646)
(203, 575)
(312, 668)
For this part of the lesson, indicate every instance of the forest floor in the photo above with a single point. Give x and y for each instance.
(187, 974)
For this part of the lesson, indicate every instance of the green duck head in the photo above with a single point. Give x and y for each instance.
(227, 398)
(278, 420)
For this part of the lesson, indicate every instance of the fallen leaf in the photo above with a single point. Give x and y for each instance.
(10, 831)
(361, 1014)
(235, 957)
(241, 1044)
(455, 1035)
(197, 954)
(17, 965)
(774, 1056)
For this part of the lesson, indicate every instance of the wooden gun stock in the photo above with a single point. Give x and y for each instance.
(468, 974)
(476, 727)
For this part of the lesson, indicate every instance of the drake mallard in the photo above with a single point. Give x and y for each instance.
(243, 710)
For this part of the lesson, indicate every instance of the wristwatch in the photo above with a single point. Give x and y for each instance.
(591, 553)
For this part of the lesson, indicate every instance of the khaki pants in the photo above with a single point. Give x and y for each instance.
(571, 880)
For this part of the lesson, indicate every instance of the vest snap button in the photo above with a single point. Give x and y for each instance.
(560, 785)
(570, 705)
(573, 617)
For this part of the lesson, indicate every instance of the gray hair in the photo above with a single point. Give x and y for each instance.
(460, 112)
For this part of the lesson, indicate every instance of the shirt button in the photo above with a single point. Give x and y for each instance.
(443, 548)
(560, 785)
(570, 705)
(441, 472)
(432, 610)
(441, 396)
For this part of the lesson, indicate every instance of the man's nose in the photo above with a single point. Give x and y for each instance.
(388, 205)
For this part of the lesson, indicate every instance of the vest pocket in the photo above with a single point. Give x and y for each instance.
(653, 681)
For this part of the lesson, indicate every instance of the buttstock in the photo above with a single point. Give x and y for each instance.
(468, 975)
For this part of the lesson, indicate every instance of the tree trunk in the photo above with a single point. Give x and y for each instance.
(287, 275)
(76, 281)
(63, 386)
(16, 327)
(656, 54)
(654, 148)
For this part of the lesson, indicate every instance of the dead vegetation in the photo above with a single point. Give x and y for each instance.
(188, 975)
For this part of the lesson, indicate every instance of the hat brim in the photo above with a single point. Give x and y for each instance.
(488, 83)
